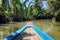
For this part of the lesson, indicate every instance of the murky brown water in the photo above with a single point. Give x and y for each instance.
(52, 29)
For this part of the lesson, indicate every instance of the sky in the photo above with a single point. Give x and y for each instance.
(28, 2)
(0, 2)
(45, 5)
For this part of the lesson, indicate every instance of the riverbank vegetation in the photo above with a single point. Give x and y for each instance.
(18, 11)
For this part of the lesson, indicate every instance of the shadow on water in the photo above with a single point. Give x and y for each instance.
(22, 35)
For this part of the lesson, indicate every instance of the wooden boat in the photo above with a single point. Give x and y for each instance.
(29, 32)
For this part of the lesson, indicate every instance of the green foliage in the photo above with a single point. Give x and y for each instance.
(30, 14)
(54, 6)
(20, 9)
